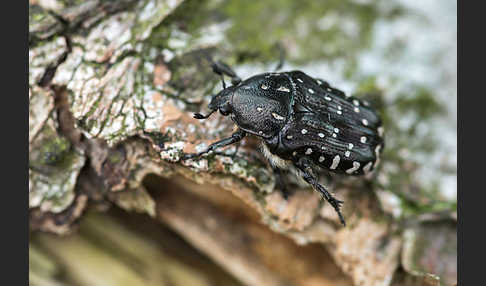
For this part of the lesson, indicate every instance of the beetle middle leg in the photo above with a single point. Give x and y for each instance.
(235, 137)
(304, 165)
(280, 182)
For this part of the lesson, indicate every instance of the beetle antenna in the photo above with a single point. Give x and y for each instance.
(200, 116)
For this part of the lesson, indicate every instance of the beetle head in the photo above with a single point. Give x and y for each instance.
(222, 101)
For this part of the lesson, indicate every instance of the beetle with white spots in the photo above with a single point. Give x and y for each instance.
(298, 121)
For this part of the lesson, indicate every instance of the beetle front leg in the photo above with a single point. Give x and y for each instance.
(304, 165)
(235, 137)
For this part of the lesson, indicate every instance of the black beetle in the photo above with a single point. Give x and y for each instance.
(304, 123)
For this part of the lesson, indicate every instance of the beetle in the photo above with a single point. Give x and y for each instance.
(304, 123)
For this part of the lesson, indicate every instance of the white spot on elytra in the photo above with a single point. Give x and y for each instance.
(260, 132)
(334, 135)
(321, 135)
(363, 139)
(355, 102)
(366, 103)
(323, 147)
(299, 80)
(290, 137)
(356, 109)
(303, 131)
(354, 168)
(339, 107)
(367, 168)
(365, 122)
(327, 98)
(319, 82)
(308, 151)
(339, 112)
(336, 130)
(335, 162)
(321, 159)
(329, 89)
(283, 88)
(259, 109)
(294, 153)
(264, 86)
(277, 116)
(350, 146)
(347, 153)
(311, 90)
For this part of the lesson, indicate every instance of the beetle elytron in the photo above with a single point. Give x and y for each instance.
(304, 123)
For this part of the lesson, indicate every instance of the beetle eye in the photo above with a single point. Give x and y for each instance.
(225, 110)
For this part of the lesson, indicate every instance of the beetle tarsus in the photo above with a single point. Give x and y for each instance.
(304, 166)
(200, 116)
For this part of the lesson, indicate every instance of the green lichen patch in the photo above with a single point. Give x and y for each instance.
(41, 104)
(42, 25)
(311, 30)
(108, 74)
(192, 76)
(409, 139)
(54, 165)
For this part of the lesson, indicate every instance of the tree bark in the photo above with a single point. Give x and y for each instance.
(112, 90)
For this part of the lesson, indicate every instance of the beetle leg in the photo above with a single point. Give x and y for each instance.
(235, 137)
(221, 69)
(201, 116)
(304, 166)
(233, 155)
(236, 151)
(280, 182)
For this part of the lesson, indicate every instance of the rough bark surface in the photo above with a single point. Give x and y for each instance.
(112, 89)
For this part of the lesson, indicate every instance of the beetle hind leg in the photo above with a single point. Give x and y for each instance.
(304, 166)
